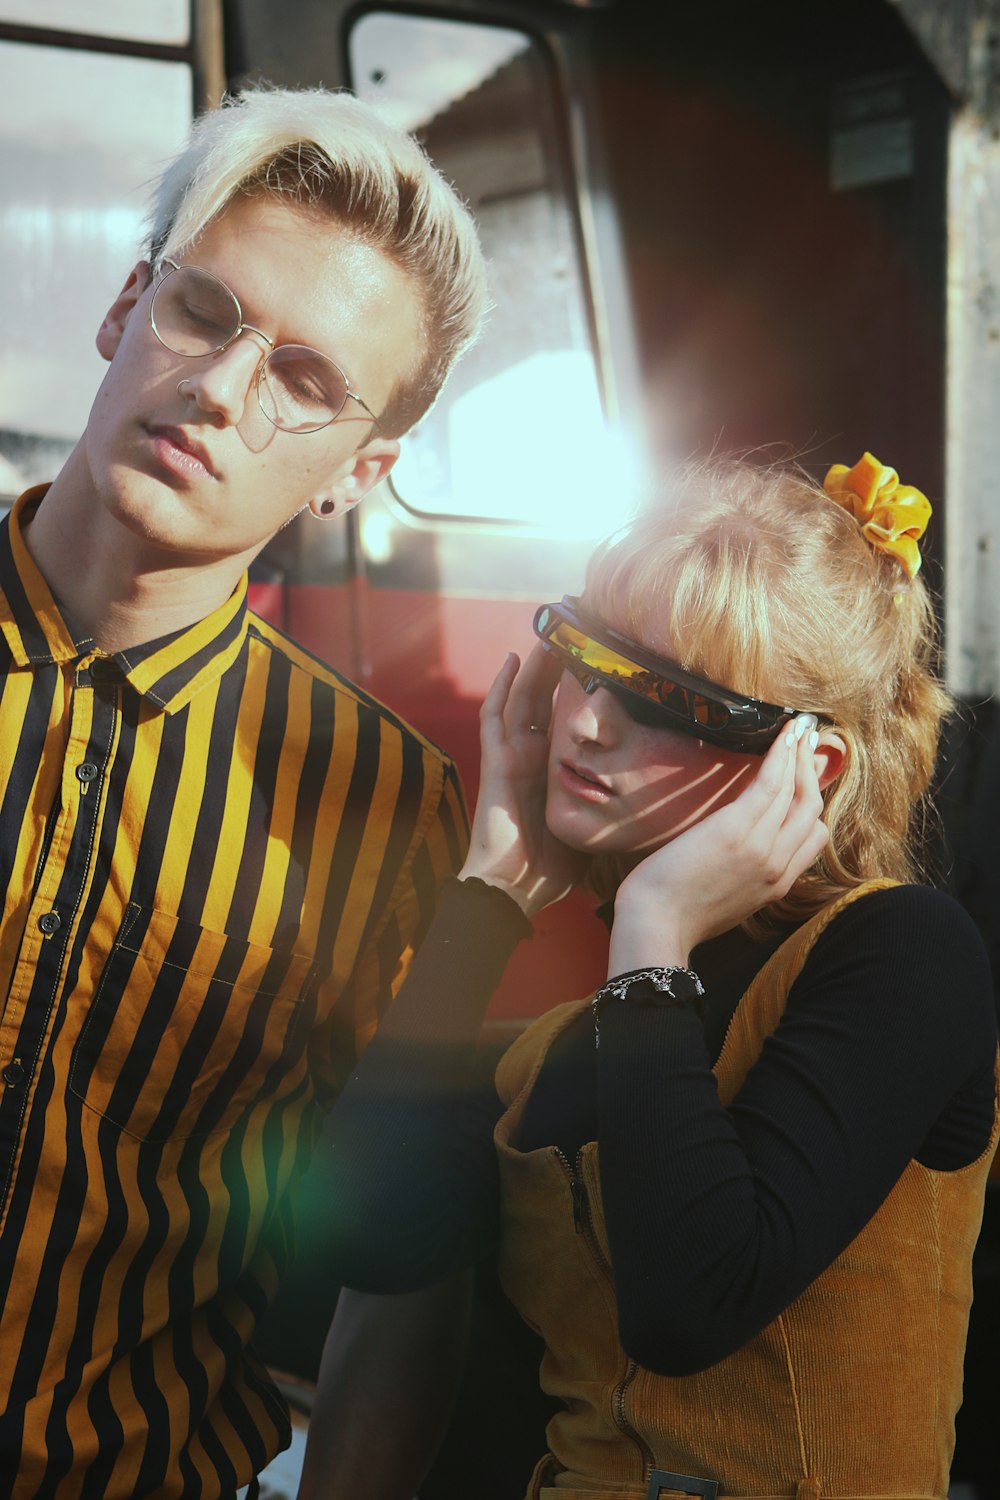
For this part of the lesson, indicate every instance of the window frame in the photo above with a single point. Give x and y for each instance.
(202, 51)
(202, 54)
(567, 157)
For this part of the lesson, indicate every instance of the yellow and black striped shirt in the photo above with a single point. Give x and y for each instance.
(217, 856)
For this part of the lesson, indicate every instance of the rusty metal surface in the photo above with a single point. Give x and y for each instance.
(943, 28)
(209, 54)
(972, 594)
(961, 38)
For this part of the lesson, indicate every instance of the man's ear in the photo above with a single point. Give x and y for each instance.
(830, 757)
(109, 335)
(362, 473)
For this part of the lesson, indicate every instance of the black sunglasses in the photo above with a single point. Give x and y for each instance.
(654, 690)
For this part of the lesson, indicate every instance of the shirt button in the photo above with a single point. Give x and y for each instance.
(86, 772)
(13, 1073)
(50, 922)
(104, 671)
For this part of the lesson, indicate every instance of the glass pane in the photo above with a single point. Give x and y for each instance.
(518, 434)
(82, 135)
(167, 21)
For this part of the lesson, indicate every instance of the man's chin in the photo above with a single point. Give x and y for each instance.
(157, 522)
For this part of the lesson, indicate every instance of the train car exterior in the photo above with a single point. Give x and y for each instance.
(710, 226)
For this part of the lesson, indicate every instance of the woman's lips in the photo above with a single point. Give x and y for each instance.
(579, 782)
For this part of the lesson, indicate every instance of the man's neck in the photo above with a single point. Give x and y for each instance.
(120, 589)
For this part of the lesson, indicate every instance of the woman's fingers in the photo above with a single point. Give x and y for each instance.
(777, 820)
(510, 846)
(759, 812)
(500, 687)
(491, 712)
(802, 835)
(807, 801)
(529, 705)
(515, 714)
(738, 859)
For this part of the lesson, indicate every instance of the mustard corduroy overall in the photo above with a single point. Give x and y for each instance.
(851, 1393)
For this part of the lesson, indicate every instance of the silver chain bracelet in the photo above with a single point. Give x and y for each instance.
(662, 980)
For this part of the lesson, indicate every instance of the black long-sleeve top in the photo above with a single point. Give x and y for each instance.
(717, 1217)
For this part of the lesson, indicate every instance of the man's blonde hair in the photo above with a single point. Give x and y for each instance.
(755, 578)
(328, 152)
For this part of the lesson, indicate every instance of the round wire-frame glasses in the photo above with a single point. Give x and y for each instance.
(195, 314)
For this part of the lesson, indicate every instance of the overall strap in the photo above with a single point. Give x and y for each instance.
(763, 1004)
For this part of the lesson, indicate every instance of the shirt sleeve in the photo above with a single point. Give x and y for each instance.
(719, 1217)
(411, 1161)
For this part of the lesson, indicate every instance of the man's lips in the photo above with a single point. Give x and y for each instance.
(181, 452)
(580, 782)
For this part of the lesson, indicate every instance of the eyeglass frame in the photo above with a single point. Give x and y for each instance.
(752, 723)
(245, 327)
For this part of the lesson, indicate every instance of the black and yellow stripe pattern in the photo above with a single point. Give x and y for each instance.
(216, 857)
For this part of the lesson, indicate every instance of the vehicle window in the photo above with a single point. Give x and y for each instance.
(518, 434)
(82, 134)
(167, 21)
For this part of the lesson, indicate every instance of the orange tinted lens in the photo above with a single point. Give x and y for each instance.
(604, 660)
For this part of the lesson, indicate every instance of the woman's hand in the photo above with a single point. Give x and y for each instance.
(511, 846)
(730, 864)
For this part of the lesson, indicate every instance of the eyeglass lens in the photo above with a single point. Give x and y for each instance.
(587, 657)
(194, 313)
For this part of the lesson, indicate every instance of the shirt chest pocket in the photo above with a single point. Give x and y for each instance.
(187, 1028)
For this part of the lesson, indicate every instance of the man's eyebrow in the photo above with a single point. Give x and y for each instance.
(250, 317)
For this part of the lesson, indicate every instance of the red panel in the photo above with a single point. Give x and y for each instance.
(268, 600)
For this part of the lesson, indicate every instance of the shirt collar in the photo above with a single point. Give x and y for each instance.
(38, 631)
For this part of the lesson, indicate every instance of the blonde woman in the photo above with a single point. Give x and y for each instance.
(737, 1190)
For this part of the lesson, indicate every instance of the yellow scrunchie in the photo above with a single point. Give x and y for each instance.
(893, 516)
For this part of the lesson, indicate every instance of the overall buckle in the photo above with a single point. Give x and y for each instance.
(688, 1484)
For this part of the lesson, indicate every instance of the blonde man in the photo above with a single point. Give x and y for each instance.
(217, 853)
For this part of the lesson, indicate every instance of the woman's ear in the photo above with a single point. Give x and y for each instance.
(368, 467)
(109, 335)
(829, 757)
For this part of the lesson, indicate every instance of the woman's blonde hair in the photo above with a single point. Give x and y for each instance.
(755, 578)
(327, 151)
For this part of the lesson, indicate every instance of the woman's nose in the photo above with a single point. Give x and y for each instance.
(595, 715)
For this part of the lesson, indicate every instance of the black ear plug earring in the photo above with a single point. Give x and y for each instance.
(328, 507)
